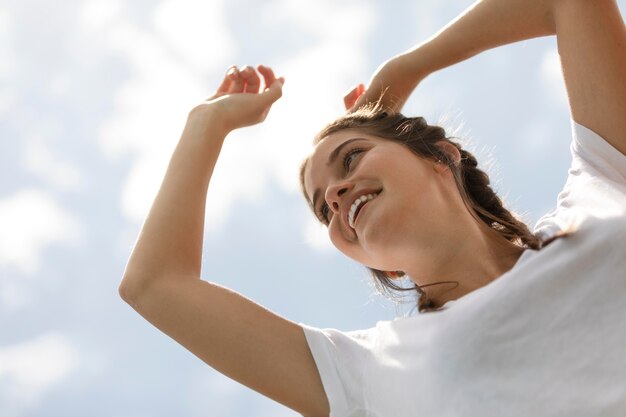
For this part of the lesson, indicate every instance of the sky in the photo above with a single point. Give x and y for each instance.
(93, 97)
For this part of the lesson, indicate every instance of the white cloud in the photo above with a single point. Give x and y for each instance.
(196, 32)
(59, 85)
(40, 159)
(31, 220)
(316, 79)
(14, 297)
(142, 184)
(312, 98)
(347, 23)
(7, 52)
(8, 62)
(316, 235)
(169, 68)
(552, 77)
(215, 392)
(535, 138)
(37, 363)
(168, 79)
(97, 14)
(152, 104)
(29, 369)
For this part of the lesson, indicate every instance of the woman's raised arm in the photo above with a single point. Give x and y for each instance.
(484, 25)
(591, 40)
(162, 279)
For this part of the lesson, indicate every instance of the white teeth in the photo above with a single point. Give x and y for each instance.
(356, 205)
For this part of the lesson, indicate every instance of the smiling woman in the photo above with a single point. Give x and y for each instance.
(529, 329)
(466, 195)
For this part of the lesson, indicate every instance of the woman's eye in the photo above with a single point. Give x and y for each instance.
(324, 213)
(347, 162)
(349, 157)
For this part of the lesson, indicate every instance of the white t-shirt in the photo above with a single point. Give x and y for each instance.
(547, 338)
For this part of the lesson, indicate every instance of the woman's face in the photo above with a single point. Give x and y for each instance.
(405, 197)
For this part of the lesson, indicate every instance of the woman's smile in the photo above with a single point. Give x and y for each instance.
(357, 208)
(344, 191)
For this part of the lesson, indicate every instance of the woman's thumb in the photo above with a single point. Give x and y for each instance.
(274, 91)
(351, 98)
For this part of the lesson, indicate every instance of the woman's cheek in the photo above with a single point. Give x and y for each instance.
(344, 245)
(337, 238)
(332, 234)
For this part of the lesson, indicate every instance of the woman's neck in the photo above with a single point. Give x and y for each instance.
(472, 265)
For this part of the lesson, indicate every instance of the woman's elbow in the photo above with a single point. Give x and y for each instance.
(129, 288)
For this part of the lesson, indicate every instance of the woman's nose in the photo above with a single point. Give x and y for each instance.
(334, 195)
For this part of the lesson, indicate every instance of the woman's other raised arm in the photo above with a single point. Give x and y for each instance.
(486, 24)
(162, 279)
(591, 39)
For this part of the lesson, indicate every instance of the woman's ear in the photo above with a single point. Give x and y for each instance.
(394, 274)
(454, 155)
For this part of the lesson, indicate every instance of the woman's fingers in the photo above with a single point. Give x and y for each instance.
(239, 100)
(247, 80)
(224, 86)
(353, 95)
(269, 97)
(348, 99)
(251, 79)
(272, 93)
(275, 91)
(237, 82)
(268, 75)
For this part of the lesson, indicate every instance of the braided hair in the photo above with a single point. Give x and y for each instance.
(473, 183)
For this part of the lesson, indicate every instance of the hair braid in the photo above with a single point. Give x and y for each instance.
(488, 206)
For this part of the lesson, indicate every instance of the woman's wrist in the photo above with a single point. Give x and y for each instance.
(414, 65)
(432, 56)
(204, 121)
(485, 25)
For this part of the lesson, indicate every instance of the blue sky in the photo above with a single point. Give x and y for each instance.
(93, 97)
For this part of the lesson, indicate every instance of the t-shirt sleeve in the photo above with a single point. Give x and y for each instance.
(600, 156)
(342, 359)
(595, 186)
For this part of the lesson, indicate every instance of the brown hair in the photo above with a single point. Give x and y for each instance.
(473, 183)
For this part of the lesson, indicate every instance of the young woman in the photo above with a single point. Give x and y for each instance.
(527, 328)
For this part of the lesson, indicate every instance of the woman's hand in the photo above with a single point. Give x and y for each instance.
(393, 81)
(240, 101)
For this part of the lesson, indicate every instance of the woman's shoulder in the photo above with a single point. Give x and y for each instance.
(595, 186)
(602, 232)
(597, 152)
(364, 342)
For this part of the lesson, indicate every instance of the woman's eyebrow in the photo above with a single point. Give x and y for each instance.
(333, 155)
(331, 159)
